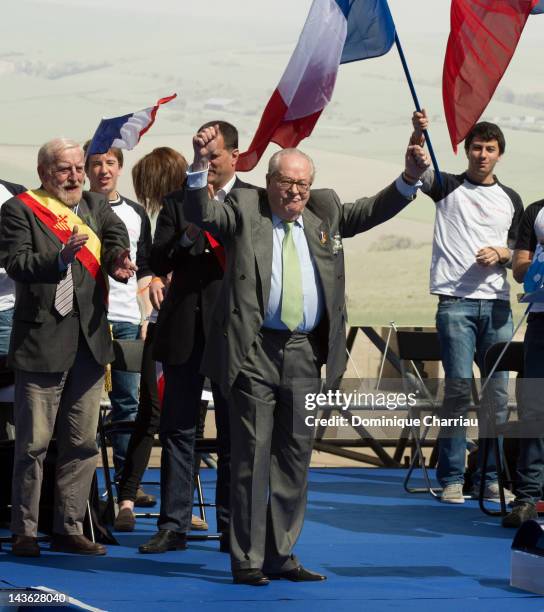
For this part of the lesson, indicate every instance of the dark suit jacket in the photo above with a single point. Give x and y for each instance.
(42, 340)
(195, 283)
(244, 224)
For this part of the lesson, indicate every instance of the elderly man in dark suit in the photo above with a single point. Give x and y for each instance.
(279, 318)
(58, 243)
(196, 261)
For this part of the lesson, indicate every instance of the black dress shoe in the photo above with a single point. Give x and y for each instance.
(163, 540)
(75, 544)
(252, 577)
(224, 543)
(298, 574)
(25, 546)
(520, 513)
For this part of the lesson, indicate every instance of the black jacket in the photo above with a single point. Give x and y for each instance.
(186, 312)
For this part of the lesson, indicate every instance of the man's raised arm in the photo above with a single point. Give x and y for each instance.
(198, 207)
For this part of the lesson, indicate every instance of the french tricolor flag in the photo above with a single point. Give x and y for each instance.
(335, 32)
(124, 132)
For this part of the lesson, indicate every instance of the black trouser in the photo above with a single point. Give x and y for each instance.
(181, 413)
(530, 469)
(146, 424)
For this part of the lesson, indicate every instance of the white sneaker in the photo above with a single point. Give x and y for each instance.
(491, 493)
(453, 494)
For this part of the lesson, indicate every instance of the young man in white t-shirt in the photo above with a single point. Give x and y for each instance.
(126, 301)
(475, 229)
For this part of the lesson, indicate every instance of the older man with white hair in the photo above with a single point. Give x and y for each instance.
(58, 243)
(280, 316)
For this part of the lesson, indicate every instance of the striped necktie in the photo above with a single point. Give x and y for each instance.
(292, 301)
(64, 297)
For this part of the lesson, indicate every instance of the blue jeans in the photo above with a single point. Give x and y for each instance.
(6, 322)
(467, 328)
(530, 469)
(123, 397)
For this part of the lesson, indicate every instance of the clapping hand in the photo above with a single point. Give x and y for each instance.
(73, 245)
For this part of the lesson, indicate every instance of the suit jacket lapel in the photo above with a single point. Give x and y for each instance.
(314, 229)
(262, 245)
(83, 211)
(56, 242)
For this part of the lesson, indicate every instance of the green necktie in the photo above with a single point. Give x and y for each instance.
(291, 297)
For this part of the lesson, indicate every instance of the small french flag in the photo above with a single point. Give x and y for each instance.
(124, 132)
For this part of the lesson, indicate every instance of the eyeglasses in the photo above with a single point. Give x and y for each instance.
(286, 183)
(65, 172)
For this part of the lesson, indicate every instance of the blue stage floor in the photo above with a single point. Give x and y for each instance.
(381, 548)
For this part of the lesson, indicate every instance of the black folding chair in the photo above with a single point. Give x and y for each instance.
(417, 346)
(510, 361)
(128, 358)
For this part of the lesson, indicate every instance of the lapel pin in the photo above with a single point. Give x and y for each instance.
(323, 237)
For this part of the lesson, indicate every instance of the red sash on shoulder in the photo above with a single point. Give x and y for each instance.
(60, 220)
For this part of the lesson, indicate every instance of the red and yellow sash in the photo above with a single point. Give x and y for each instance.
(60, 220)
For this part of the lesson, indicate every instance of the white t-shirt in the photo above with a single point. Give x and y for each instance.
(123, 297)
(469, 217)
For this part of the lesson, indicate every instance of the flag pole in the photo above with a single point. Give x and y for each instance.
(418, 107)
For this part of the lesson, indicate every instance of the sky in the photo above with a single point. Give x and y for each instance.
(79, 60)
(75, 62)
(66, 64)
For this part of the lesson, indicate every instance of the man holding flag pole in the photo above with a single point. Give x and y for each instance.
(476, 226)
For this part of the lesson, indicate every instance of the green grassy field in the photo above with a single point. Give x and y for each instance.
(384, 286)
